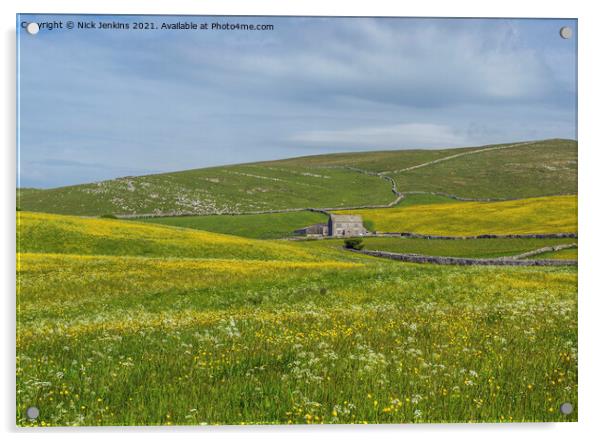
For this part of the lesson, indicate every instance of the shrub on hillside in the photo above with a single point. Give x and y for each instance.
(108, 216)
(354, 243)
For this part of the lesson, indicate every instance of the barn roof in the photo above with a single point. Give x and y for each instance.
(345, 218)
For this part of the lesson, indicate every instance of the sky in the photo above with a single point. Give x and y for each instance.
(98, 104)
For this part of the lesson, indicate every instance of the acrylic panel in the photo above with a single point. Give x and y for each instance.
(295, 220)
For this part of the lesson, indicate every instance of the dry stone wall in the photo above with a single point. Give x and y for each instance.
(440, 260)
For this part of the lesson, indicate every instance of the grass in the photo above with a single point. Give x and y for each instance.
(554, 214)
(476, 248)
(122, 339)
(543, 168)
(256, 226)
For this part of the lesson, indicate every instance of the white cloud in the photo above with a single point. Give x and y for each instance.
(385, 137)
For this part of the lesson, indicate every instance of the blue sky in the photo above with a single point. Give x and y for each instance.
(101, 104)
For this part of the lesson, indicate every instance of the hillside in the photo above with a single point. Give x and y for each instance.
(240, 188)
(506, 171)
(538, 169)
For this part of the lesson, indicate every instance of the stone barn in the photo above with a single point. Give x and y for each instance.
(339, 225)
(345, 225)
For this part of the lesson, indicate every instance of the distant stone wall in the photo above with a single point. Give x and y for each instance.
(480, 236)
(440, 260)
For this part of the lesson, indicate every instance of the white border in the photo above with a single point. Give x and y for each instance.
(590, 158)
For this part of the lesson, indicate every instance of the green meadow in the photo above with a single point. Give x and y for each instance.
(244, 338)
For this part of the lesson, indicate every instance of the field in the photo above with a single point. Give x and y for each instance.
(256, 226)
(474, 248)
(503, 171)
(554, 214)
(253, 339)
(208, 319)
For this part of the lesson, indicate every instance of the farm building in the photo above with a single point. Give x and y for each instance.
(338, 225)
(313, 230)
(346, 225)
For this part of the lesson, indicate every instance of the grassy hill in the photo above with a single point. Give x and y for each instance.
(553, 214)
(499, 171)
(49, 233)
